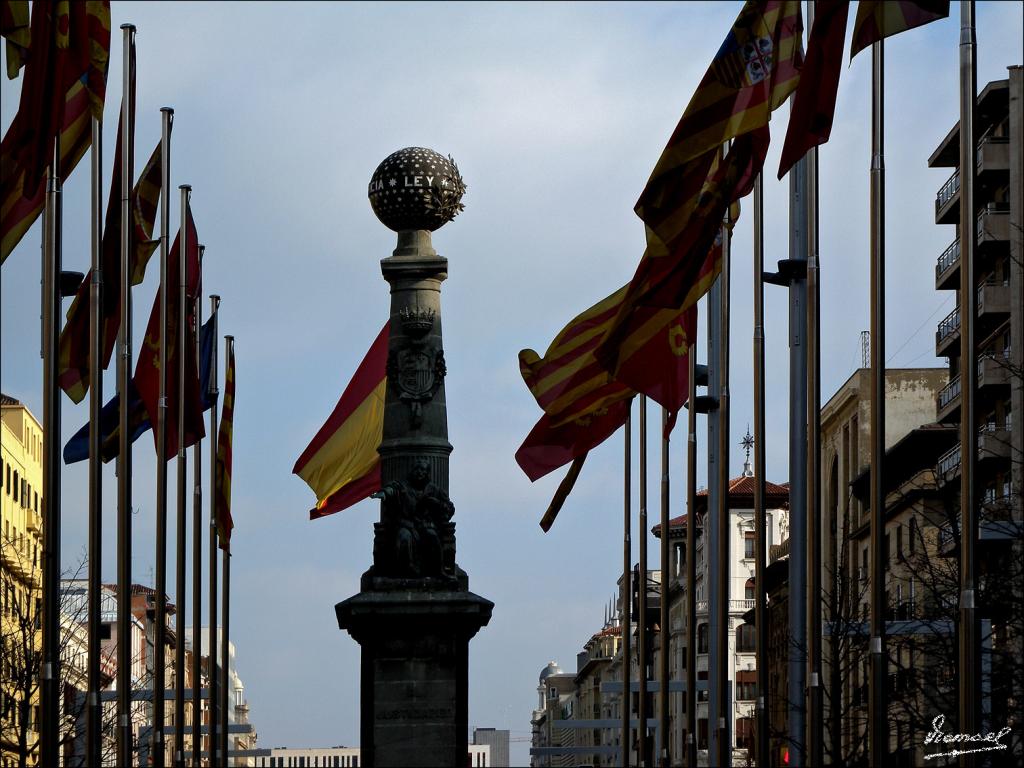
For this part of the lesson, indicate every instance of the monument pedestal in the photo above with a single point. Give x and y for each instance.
(415, 669)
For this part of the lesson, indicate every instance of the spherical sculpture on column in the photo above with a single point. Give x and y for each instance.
(416, 188)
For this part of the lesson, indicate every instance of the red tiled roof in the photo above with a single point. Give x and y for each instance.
(606, 632)
(740, 489)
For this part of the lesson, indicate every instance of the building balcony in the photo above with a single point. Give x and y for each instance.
(993, 227)
(994, 371)
(739, 606)
(34, 522)
(993, 443)
(993, 301)
(948, 334)
(947, 402)
(993, 165)
(947, 268)
(948, 467)
(947, 200)
(995, 524)
(993, 234)
(993, 378)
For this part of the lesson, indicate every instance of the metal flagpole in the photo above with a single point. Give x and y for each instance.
(691, 562)
(711, 530)
(94, 708)
(197, 545)
(627, 588)
(225, 648)
(877, 715)
(225, 656)
(641, 601)
(797, 663)
(211, 658)
(160, 634)
(760, 521)
(722, 714)
(664, 632)
(816, 729)
(179, 592)
(124, 456)
(970, 664)
(50, 618)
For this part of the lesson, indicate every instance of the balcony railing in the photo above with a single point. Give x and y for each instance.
(734, 605)
(988, 210)
(948, 325)
(950, 256)
(949, 461)
(948, 190)
(949, 393)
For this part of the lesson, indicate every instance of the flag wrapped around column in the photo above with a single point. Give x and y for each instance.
(222, 483)
(147, 379)
(341, 464)
(692, 187)
(63, 85)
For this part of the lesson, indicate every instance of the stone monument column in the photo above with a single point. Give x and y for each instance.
(414, 615)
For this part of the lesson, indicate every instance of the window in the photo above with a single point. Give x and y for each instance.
(15, 486)
(702, 638)
(746, 691)
(746, 638)
(748, 546)
(886, 544)
(913, 534)
(745, 733)
(899, 542)
(748, 590)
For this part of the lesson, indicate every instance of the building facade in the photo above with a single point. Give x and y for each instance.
(21, 545)
(498, 741)
(742, 668)
(479, 756)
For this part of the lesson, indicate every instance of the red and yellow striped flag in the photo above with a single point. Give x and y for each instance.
(341, 463)
(569, 383)
(877, 19)
(64, 83)
(222, 483)
(690, 189)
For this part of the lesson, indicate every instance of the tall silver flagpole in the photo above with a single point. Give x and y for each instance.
(970, 663)
(816, 729)
(179, 648)
(711, 528)
(125, 746)
(627, 587)
(760, 521)
(211, 658)
(197, 544)
(878, 702)
(158, 750)
(642, 638)
(691, 562)
(50, 618)
(724, 711)
(94, 711)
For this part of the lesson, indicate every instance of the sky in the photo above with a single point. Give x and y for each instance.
(556, 114)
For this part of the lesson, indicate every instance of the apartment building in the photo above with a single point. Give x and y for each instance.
(21, 545)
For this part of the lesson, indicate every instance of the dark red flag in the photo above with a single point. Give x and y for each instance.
(147, 368)
(814, 103)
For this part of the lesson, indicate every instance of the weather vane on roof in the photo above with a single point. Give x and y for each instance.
(747, 442)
